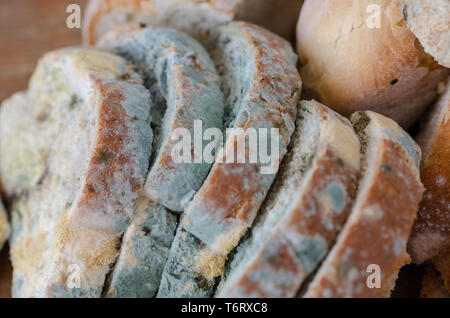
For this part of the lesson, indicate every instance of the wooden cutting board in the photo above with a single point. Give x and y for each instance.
(28, 29)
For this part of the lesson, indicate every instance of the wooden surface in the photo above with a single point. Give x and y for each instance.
(28, 29)
(5, 273)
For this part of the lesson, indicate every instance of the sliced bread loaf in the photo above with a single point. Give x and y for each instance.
(89, 139)
(307, 206)
(184, 88)
(377, 230)
(262, 88)
(431, 232)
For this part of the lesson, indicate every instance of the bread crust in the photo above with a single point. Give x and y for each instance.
(156, 13)
(386, 203)
(429, 21)
(315, 213)
(349, 65)
(431, 230)
(227, 203)
(97, 144)
(195, 17)
(185, 89)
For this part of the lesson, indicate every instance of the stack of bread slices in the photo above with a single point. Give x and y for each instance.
(100, 206)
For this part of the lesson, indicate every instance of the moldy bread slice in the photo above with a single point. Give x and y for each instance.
(305, 210)
(87, 139)
(382, 217)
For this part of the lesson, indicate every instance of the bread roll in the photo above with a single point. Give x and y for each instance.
(351, 63)
(195, 17)
(430, 21)
(431, 230)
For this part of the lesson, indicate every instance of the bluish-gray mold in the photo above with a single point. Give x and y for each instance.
(184, 88)
(144, 251)
(180, 280)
